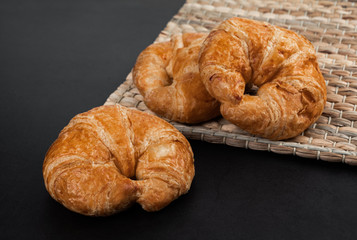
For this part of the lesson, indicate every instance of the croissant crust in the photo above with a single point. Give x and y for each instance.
(240, 53)
(167, 76)
(110, 157)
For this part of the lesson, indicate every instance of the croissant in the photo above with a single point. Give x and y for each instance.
(110, 157)
(240, 53)
(167, 76)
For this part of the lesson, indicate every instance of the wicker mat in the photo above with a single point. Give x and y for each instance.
(330, 25)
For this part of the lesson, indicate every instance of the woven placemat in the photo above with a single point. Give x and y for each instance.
(332, 28)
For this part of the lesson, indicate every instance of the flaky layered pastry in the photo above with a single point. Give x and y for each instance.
(167, 76)
(240, 53)
(110, 157)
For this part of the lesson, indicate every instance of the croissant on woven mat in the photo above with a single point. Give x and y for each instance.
(167, 76)
(240, 53)
(236, 55)
(110, 157)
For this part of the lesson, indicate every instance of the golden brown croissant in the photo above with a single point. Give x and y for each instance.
(167, 76)
(292, 92)
(110, 157)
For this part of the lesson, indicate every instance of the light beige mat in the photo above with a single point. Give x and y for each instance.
(330, 25)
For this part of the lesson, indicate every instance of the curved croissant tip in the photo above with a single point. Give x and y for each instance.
(237, 97)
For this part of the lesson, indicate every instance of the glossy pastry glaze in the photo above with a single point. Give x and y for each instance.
(110, 157)
(240, 53)
(168, 77)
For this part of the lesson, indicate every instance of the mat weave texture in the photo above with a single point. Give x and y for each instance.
(331, 26)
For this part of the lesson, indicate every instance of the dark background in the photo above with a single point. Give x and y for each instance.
(60, 58)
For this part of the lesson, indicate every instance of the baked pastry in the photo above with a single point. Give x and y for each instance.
(167, 76)
(240, 53)
(110, 157)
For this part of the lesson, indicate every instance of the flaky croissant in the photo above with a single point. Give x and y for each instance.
(167, 76)
(110, 157)
(292, 93)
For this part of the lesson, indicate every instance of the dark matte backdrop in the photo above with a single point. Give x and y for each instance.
(60, 58)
